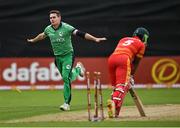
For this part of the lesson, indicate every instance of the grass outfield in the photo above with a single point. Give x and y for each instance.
(15, 105)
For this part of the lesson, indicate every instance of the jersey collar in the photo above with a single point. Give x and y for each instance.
(57, 27)
(137, 38)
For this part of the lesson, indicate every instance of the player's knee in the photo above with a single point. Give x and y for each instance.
(65, 78)
(117, 95)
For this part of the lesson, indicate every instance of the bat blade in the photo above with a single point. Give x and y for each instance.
(138, 102)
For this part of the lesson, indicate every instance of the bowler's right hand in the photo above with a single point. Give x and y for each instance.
(100, 39)
(30, 40)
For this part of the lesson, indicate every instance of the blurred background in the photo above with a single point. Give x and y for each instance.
(113, 19)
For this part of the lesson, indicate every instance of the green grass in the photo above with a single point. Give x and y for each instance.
(14, 105)
(97, 124)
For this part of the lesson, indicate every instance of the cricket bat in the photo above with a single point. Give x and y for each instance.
(137, 101)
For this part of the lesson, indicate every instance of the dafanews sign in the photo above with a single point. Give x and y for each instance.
(166, 71)
(159, 71)
(30, 71)
(32, 74)
(41, 73)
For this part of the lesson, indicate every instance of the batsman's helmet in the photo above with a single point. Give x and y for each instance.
(142, 33)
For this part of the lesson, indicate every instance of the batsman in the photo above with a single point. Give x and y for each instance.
(122, 64)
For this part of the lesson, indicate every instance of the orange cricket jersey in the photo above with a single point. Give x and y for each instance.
(131, 46)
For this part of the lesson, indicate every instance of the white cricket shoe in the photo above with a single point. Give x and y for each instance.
(82, 68)
(111, 108)
(65, 107)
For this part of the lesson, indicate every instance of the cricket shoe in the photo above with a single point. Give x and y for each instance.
(111, 108)
(65, 107)
(82, 68)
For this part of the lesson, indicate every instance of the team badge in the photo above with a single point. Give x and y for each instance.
(68, 66)
(60, 34)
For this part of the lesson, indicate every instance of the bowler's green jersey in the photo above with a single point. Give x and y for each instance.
(60, 38)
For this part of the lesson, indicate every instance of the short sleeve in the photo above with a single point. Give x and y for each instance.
(69, 27)
(141, 52)
(46, 31)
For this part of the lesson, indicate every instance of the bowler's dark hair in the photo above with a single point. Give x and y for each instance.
(55, 11)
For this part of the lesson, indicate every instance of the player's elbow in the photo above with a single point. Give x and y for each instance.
(41, 36)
